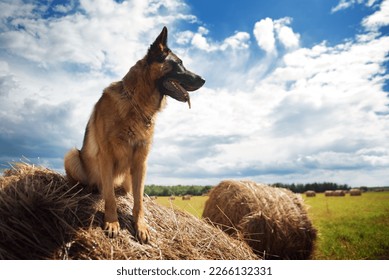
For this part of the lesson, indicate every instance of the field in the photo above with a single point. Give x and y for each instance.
(349, 227)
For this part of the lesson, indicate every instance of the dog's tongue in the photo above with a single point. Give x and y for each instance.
(177, 91)
(183, 91)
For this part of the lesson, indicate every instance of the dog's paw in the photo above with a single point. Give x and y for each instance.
(112, 229)
(142, 233)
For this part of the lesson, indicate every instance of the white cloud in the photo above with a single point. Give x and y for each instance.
(299, 115)
(62, 40)
(53, 70)
(345, 4)
(184, 38)
(15, 8)
(64, 8)
(264, 34)
(240, 40)
(288, 38)
(266, 31)
(199, 40)
(379, 19)
(313, 115)
(370, 3)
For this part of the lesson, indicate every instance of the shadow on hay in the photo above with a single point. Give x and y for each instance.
(41, 217)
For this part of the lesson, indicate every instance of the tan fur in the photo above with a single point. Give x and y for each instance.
(117, 141)
(119, 132)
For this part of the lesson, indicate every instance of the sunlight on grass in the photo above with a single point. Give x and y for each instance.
(349, 227)
(194, 206)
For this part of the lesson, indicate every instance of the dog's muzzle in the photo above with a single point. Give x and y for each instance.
(178, 89)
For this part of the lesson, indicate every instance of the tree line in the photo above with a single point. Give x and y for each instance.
(179, 190)
(317, 187)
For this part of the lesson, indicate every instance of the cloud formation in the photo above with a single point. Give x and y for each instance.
(264, 33)
(378, 19)
(267, 31)
(199, 40)
(345, 4)
(315, 114)
(271, 110)
(54, 68)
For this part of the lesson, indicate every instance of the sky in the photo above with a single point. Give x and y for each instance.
(296, 91)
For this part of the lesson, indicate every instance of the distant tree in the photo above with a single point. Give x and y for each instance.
(317, 187)
(179, 190)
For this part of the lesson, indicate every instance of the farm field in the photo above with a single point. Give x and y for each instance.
(349, 227)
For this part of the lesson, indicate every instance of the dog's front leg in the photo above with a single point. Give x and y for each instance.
(138, 172)
(111, 223)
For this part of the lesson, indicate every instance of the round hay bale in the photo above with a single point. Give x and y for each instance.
(339, 193)
(329, 193)
(273, 221)
(186, 197)
(310, 193)
(36, 210)
(41, 217)
(355, 192)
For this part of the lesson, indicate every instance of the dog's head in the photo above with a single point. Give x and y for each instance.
(173, 78)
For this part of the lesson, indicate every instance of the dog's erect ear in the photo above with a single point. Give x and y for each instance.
(159, 49)
(162, 38)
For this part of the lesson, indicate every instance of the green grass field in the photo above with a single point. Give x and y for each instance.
(349, 227)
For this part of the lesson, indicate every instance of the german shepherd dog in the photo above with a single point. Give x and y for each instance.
(119, 133)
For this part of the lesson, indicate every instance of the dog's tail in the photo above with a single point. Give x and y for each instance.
(75, 171)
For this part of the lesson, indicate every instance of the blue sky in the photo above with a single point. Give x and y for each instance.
(312, 18)
(296, 91)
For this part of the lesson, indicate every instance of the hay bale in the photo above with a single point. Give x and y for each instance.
(355, 192)
(310, 193)
(186, 197)
(172, 197)
(273, 221)
(41, 217)
(36, 210)
(339, 193)
(329, 193)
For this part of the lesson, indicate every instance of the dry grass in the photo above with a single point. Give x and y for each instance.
(41, 217)
(273, 221)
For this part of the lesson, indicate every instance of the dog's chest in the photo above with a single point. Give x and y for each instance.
(136, 134)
